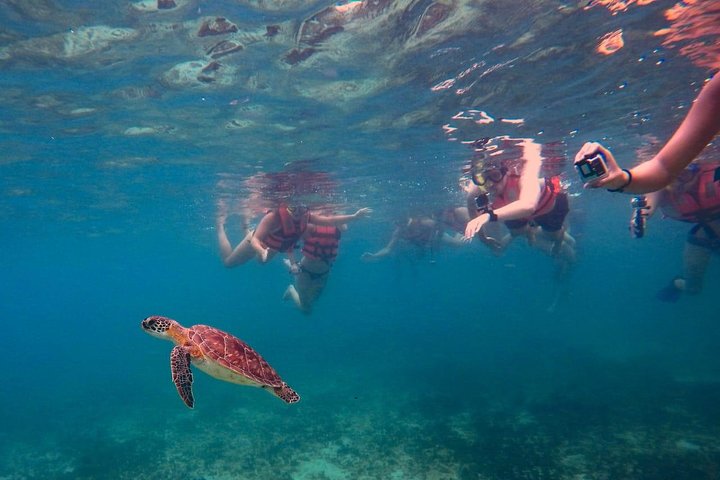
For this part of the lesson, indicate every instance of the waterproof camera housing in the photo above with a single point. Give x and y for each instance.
(592, 167)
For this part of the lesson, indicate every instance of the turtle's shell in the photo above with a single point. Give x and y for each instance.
(234, 354)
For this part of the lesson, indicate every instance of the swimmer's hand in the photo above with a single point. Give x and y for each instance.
(368, 257)
(264, 255)
(293, 268)
(363, 212)
(616, 178)
(474, 225)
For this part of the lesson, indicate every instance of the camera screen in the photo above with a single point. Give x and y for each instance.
(585, 170)
(597, 165)
(590, 168)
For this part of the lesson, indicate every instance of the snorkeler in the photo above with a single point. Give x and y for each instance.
(694, 197)
(319, 250)
(424, 233)
(525, 203)
(278, 231)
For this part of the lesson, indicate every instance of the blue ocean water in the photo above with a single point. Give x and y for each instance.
(464, 365)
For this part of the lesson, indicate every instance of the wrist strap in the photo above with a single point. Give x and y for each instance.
(493, 216)
(625, 185)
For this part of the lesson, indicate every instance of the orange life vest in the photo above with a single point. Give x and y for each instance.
(700, 204)
(289, 232)
(322, 242)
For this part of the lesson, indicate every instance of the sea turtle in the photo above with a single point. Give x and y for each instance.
(218, 354)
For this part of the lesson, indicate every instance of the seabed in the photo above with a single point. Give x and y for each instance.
(383, 435)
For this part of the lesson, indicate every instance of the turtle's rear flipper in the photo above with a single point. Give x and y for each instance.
(182, 377)
(286, 394)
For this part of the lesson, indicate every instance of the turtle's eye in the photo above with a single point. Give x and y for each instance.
(151, 324)
(157, 324)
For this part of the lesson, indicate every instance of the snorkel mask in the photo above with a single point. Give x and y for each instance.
(297, 211)
(480, 176)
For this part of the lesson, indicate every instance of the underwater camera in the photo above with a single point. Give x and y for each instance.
(482, 202)
(592, 167)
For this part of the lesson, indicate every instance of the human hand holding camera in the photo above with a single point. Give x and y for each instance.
(597, 168)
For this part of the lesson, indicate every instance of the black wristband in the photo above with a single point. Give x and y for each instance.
(625, 185)
(493, 216)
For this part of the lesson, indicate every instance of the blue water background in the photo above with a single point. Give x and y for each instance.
(406, 368)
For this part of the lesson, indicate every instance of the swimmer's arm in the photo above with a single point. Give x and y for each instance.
(701, 124)
(698, 128)
(522, 207)
(530, 191)
(263, 229)
(387, 249)
(338, 219)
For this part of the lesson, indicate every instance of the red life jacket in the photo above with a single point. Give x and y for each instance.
(551, 190)
(322, 242)
(700, 204)
(289, 232)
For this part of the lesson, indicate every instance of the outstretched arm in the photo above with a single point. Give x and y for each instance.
(386, 249)
(698, 128)
(339, 219)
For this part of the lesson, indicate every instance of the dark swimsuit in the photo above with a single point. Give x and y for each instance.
(314, 275)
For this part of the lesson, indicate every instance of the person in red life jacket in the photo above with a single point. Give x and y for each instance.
(694, 197)
(523, 202)
(699, 127)
(319, 251)
(423, 232)
(278, 231)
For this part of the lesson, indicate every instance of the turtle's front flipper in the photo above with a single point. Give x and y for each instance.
(182, 377)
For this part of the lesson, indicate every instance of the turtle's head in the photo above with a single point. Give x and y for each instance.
(158, 326)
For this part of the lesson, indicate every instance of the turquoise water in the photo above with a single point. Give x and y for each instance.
(471, 367)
